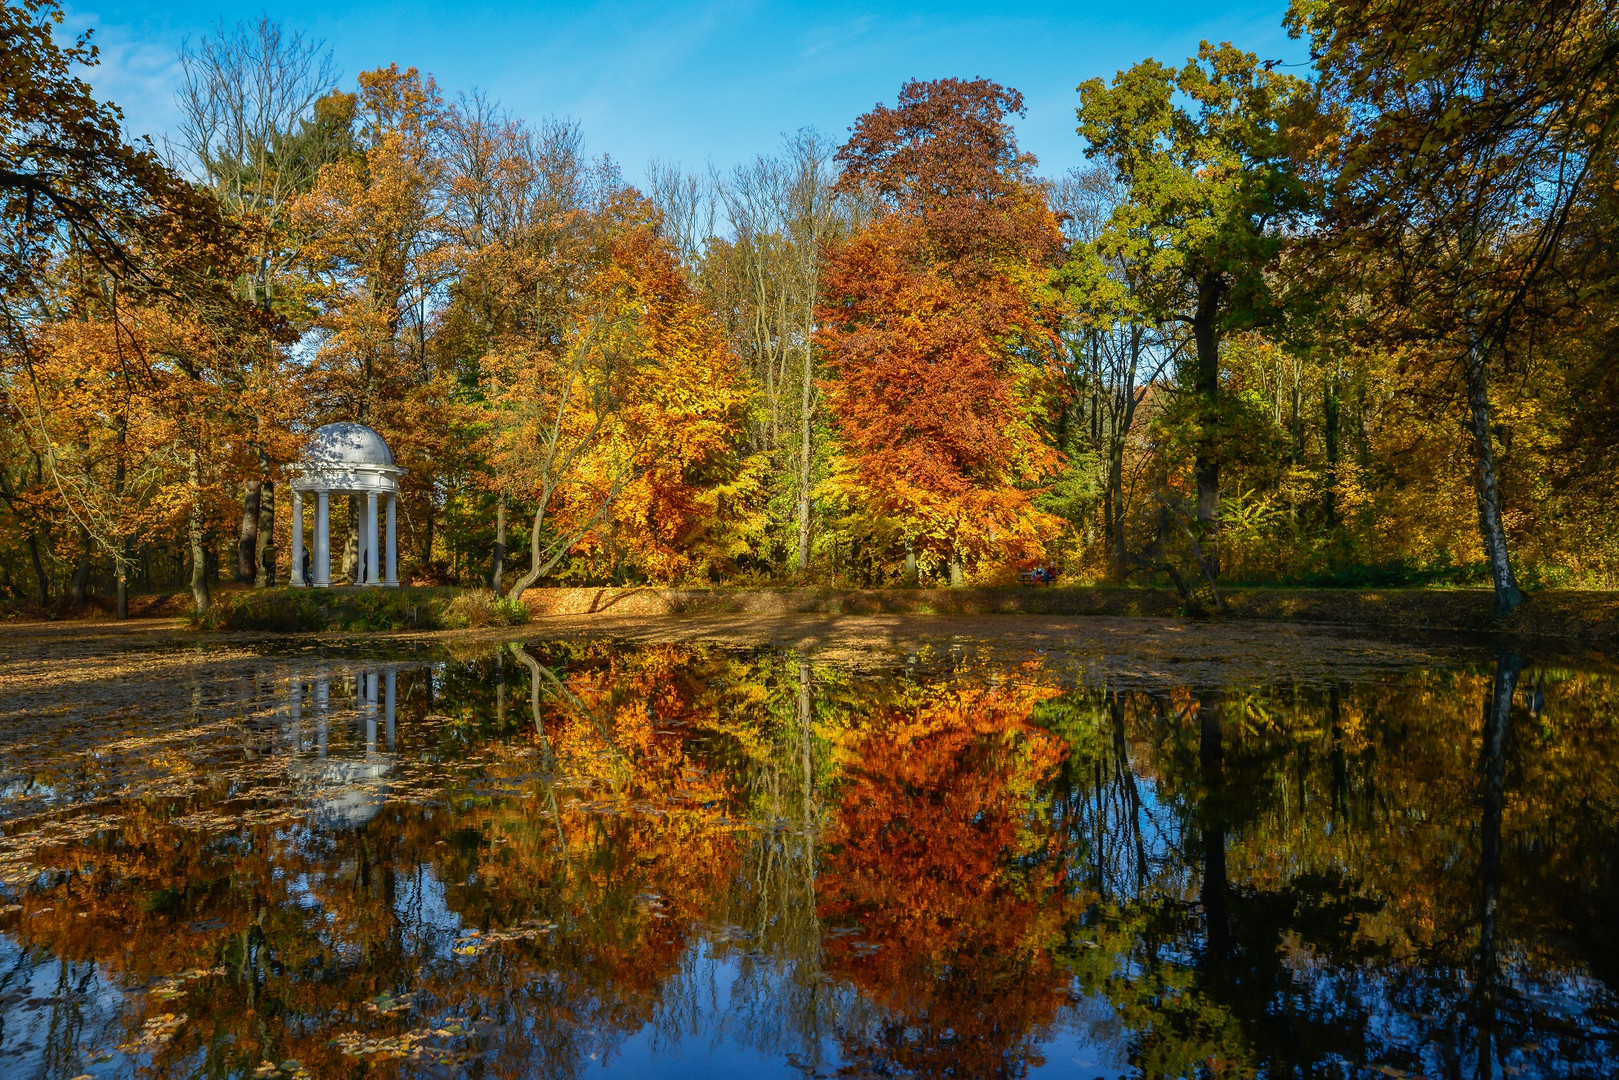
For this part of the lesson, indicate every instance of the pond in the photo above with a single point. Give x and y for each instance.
(596, 858)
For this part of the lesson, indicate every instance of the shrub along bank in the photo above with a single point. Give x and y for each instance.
(355, 609)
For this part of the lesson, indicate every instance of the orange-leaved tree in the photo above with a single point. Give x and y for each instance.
(940, 849)
(376, 253)
(105, 233)
(934, 329)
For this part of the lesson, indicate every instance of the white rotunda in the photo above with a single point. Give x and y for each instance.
(346, 459)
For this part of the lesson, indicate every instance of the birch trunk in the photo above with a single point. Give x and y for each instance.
(806, 462)
(1486, 485)
(498, 569)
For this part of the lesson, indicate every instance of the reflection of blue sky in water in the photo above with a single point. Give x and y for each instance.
(405, 807)
(710, 1035)
(41, 999)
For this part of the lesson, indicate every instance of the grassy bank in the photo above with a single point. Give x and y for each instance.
(285, 610)
(1570, 614)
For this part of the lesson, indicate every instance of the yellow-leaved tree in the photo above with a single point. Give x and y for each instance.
(621, 429)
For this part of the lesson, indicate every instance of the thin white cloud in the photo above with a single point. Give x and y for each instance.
(139, 74)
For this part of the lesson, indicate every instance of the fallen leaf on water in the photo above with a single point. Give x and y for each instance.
(156, 1032)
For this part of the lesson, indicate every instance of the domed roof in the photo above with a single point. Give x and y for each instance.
(346, 793)
(348, 444)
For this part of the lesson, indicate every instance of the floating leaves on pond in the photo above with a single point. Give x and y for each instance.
(409, 1046)
(229, 820)
(388, 1005)
(155, 1033)
(473, 942)
(167, 989)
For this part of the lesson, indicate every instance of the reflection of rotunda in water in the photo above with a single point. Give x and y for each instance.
(344, 747)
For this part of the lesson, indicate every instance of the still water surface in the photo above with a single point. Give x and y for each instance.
(594, 860)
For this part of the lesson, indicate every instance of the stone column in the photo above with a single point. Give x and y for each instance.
(323, 697)
(323, 540)
(297, 577)
(369, 682)
(389, 693)
(295, 713)
(391, 577)
(372, 576)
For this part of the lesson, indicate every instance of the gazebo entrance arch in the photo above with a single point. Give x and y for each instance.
(346, 459)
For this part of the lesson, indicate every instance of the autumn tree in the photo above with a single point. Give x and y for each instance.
(619, 422)
(1470, 134)
(1114, 352)
(257, 122)
(687, 204)
(104, 232)
(519, 204)
(1584, 459)
(375, 252)
(1211, 189)
(766, 280)
(934, 329)
(67, 176)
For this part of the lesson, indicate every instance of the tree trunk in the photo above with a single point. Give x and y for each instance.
(497, 570)
(1332, 408)
(427, 537)
(1497, 715)
(199, 552)
(1491, 527)
(1295, 423)
(351, 543)
(1108, 529)
(247, 538)
(910, 563)
(120, 562)
(39, 568)
(120, 570)
(1206, 384)
(1115, 498)
(534, 566)
(264, 560)
(957, 577)
(78, 584)
(806, 463)
(1212, 817)
(1115, 485)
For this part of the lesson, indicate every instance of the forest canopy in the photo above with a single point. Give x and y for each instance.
(1345, 324)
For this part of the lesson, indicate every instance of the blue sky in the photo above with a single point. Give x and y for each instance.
(702, 83)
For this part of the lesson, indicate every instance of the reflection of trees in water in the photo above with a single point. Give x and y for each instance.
(922, 875)
(940, 857)
(782, 1002)
(1364, 879)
